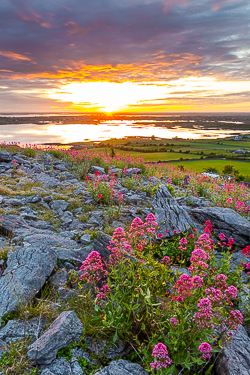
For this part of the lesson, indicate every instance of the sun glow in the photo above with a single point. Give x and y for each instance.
(112, 96)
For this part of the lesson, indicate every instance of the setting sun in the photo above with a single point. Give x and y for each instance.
(112, 97)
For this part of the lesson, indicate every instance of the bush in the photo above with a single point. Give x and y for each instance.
(30, 152)
(175, 313)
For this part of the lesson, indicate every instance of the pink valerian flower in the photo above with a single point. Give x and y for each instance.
(222, 236)
(166, 260)
(198, 281)
(93, 268)
(120, 197)
(232, 291)
(183, 241)
(203, 318)
(230, 242)
(199, 255)
(160, 351)
(14, 161)
(136, 228)
(150, 224)
(160, 235)
(185, 285)
(169, 180)
(174, 321)
(102, 295)
(99, 197)
(246, 250)
(208, 227)
(221, 281)
(234, 320)
(118, 245)
(206, 349)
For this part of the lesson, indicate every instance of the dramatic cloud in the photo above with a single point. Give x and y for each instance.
(50, 43)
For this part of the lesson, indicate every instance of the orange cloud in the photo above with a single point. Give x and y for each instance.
(32, 16)
(155, 70)
(14, 56)
(75, 28)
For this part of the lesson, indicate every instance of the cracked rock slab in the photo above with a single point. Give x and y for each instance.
(66, 329)
(169, 215)
(235, 359)
(27, 270)
(122, 367)
(225, 220)
(18, 330)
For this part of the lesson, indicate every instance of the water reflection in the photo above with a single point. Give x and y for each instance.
(53, 133)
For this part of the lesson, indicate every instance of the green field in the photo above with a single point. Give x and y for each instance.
(154, 156)
(201, 165)
(177, 151)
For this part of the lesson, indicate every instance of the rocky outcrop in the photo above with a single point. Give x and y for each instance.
(100, 243)
(225, 220)
(122, 367)
(20, 330)
(109, 350)
(11, 224)
(6, 156)
(66, 329)
(235, 359)
(27, 270)
(169, 215)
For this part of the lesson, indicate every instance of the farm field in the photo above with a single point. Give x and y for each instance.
(199, 155)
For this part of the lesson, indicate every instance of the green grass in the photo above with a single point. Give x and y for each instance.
(200, 165)
(162, 156)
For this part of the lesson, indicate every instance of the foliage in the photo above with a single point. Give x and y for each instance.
(14, 359)
(30, 152)
(179, 311)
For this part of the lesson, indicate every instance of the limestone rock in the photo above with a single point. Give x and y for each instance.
(16, 330)
(100, 243)
(225, 220)
(122, 367)
(103, 349)
(62, 332)
(235, 359)
(59, 366)
(169, 215)
(27, 270)
(6, 156)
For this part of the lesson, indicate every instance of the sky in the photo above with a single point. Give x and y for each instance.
(124, 55)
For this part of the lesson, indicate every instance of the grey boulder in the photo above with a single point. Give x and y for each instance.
(169, 215)
(225, 220)
(59, 366)
(46, 180)
(100, 243)
(122, 367)
(66, 329)
(27, 270)
(95, 169)
(235, 359)
(6, 156)
(102, 348)
(18, 330)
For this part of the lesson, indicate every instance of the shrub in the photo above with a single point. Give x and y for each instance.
(30, 152)
(173, 313)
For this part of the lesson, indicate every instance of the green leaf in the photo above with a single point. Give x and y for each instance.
(115, 337)
(208, 372)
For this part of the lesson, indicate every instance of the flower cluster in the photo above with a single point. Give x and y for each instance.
(93, 268)
(160, 351)
(206, 349)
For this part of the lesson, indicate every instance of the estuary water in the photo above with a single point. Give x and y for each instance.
(47, 132)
